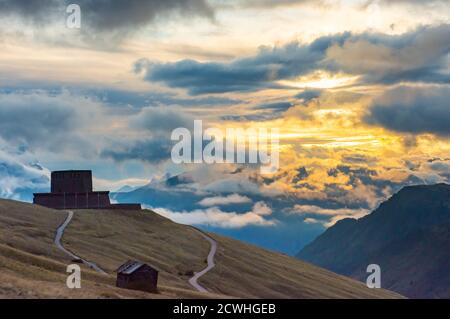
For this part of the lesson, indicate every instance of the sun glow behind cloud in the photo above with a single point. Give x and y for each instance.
(321, 80)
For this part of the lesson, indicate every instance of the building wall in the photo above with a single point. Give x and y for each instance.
(144, 279)
(71, 182)
(73, 200)
(73, 190)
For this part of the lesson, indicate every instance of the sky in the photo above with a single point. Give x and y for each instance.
(358, 89)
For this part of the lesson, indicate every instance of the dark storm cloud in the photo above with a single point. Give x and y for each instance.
(153, 150)
(275, 3)
(35, 10)
(356, 175)
(258, 117)
(127, 101)
(119, 14)
(107, 15)
(413, 110)
(42, 121)
(358, 159)
(277, 106)
(64, 122)
(161, 120)
(308, 95)
(33, 119)
(416, 56)
(120, 98)
(156, 124)
(268, 111)
(244, 74)
(301, 174)
(419, 55)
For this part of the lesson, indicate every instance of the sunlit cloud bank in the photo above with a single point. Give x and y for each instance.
(214, 216)
(224, 200)
(332, 215)
(414, 56)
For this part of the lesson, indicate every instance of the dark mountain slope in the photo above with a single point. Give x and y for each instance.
(408, 236)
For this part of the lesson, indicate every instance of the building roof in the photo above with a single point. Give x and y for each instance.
(79, 193)
(131, 266)
(73, 171)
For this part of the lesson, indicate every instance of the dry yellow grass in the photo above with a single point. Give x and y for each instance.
(273, 275)
(109, 238)
(32, 267)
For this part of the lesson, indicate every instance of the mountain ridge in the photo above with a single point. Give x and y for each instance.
(403, 224)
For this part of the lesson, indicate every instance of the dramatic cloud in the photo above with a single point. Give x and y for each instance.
(137, 100)
(224, 200)
(262, 112)
(215, 217)
(308, 95)
(153, 145)
(413, 110)
(36, 10)
(442, 166)
(64, 123)
(418, 55)
(259, 71)
(238, 183)
(152, 150)
(34, 118)
(275, 107)
(331, 215)
(118, 14)
(274, 3)
(256, 117)
(106, 15)
(161, 119)
(20, 175)
(40, 120)
(414, 56)
(316, 210)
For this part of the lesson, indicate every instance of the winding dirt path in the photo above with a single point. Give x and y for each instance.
(211, 264)
(60, 234)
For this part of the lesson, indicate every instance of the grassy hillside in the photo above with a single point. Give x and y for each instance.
(31, 266)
